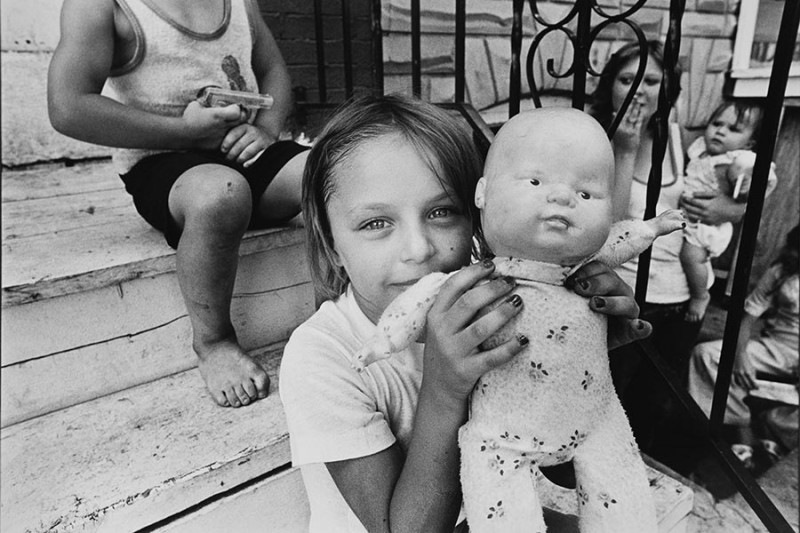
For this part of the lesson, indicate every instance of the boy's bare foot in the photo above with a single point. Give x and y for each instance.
(232, 377)
(697, 307)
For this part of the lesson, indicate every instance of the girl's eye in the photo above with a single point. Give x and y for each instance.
(374, 225)
(441, 212)
(625, 80)
(652, 81)
(585, 195)
(535, 182)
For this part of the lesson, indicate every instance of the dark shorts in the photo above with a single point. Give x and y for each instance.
(150, 181)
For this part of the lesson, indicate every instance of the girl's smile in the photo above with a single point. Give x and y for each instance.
(393, 221)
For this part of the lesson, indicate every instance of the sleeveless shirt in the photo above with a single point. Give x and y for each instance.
(172, 64)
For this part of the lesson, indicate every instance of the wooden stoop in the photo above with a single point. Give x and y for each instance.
(106, 422)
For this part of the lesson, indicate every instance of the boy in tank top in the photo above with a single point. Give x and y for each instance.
(127, 74)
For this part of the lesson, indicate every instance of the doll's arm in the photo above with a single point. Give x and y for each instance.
(629, 238)
(402, 321)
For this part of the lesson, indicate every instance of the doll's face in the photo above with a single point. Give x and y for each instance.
(546, 193)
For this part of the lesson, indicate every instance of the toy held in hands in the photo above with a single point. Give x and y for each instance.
(219, 97)
(546, 209)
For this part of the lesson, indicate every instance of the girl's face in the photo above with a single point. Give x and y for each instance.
(645, 101)
(725, 133)
(392, 222)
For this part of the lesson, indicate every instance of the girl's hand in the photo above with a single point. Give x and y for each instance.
(453, 363)
(244, 143)
(613, 297)
(208, 126)
(712, 208)
(628, 136)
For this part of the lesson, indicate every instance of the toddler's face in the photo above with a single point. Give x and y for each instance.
(548, 198)
(725, 133)
(645, 101)
(392, 222)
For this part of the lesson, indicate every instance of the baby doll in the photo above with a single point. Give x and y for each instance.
(721, 160)
(546, 208)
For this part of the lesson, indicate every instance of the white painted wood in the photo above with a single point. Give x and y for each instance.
(277, 504)
(132, 307)
(134, 458)
(63, 379)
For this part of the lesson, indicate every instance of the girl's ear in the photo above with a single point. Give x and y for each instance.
(480, 193)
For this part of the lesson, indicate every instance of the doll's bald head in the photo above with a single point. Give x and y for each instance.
(546, 192)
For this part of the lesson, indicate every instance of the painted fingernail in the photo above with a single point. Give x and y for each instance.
(514, 300)
(487, 263)
(509, 280)
(522, 339)
(683, 224)
(599, 302)
(584, 284)
(639, 325)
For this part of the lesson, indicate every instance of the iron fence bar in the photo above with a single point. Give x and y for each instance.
(515, 76)
(765, 146)
(751, 491)
(461, 37)
(416, 61)
(666, 93)
(377, 48)
(319, 35)
(347, 47)
(581, 53)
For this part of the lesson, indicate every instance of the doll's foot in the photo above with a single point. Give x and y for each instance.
(232, 377)
(697, 307)
(667, 222)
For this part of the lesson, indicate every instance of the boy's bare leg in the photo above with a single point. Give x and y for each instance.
(212, 204)
(281, 200)
(693, 259)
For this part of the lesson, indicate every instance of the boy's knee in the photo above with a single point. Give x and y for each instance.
(214, 194)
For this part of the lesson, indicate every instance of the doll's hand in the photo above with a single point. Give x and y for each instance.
(453, 362)
(208, 126)
(244, 143)
(609, 295)
(712, 208)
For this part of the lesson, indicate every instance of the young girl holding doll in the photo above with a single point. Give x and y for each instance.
(388, 198)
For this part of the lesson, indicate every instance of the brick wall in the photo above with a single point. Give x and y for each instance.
(292, 24)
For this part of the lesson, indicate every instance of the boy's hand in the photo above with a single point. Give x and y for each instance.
(453, 362)
(208, 126)
(244, 143)
(613, 297)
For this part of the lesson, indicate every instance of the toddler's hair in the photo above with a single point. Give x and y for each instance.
(601, 102)
(747, 112)
(438, 138)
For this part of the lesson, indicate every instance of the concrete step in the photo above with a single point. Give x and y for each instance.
(91, 303)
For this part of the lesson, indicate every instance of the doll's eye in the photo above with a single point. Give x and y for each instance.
(535, 182)
(374, 224)
(585, 195)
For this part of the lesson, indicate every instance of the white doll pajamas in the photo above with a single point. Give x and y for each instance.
(554, 402)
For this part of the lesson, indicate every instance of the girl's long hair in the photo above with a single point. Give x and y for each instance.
(437, 137)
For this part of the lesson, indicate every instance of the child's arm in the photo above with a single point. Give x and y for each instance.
(244, 143)
(81, 63)
(421, 492)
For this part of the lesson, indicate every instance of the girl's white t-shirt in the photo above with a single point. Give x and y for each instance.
(335, 413)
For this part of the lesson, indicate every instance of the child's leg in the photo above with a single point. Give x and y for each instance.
(693, 259)
(281, 200)
(212, 204)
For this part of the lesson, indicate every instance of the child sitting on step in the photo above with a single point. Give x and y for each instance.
(126, 73)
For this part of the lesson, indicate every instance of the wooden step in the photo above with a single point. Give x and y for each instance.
(140, 457)
(91, 304)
